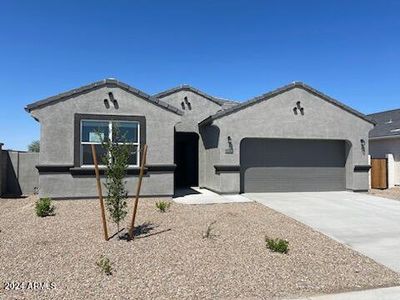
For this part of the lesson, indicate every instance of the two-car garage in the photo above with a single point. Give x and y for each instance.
(292, 165)
(293, 139)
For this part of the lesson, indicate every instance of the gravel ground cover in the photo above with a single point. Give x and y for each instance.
(393, 193)
(172, 260)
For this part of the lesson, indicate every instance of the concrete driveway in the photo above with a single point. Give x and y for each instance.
(368, 224)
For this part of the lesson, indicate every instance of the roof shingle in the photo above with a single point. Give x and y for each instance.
(185, 87)
(99, 84)
(281, 90)
(387, 124)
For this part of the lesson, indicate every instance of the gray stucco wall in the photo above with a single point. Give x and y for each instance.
(378, 148)
(2, 170)
(18, 173)
(197, 109)
(64, 185)
(200, 108)
(57, 141)
(28, 175)
(274, 118)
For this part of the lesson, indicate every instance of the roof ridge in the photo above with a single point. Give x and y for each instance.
(278, 91)
(217, 100)
(385, 111)
(97, 84)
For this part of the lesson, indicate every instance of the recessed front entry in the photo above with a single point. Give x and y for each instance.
(292, 165)
(186, 159)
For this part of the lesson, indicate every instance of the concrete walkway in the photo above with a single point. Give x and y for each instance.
(368, 224)
(391, 293)
(196, 195)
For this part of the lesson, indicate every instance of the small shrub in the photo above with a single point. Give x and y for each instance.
(105, 265)
(44, 207)
(34, 146)
(209, 234)
(116, 162)
(163, 205)
(277, 245)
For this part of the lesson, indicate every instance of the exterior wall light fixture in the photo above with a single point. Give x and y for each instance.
(230, 146)
(362, 142)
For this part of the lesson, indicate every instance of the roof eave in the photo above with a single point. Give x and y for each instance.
(99, 84)
(384, 137)
(206, 121)
(284, 89)
(185, 87)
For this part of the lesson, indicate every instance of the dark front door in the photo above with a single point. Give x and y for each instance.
(186, 159)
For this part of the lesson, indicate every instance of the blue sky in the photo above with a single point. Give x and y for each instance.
(349, 50)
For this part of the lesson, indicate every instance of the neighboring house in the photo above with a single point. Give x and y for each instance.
(384, 142)
(291, 139)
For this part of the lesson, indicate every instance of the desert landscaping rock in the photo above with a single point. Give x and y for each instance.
(173, 260)
(392, 193)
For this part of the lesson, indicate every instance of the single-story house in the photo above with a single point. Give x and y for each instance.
(384, 142)
(292, 139)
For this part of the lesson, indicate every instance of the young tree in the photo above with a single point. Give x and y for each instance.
(116, 163)
(34, 146)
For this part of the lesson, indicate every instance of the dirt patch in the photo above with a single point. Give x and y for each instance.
(171, 259)
(393, 193)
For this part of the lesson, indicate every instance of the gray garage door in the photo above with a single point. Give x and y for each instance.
(292, 165)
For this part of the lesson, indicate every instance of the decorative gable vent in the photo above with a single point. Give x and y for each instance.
(106, 103)
(185, 103)
(298, 108)
(112, 100)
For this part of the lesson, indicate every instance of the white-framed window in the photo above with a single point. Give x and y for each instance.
(93, 131)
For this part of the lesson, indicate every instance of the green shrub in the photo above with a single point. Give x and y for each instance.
(163, 205)
(34, 146)
(44, 207)
(116, 162)
(277, 245)
(105, 265)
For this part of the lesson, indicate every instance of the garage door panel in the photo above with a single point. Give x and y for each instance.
(292, 165)
(293, 153)
(305, 179)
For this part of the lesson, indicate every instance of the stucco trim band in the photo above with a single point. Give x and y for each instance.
(156, 168)
(226, 168)
(362, 168)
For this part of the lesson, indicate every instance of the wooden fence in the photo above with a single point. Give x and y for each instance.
(379, 173)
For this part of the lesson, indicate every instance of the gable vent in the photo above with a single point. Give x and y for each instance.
(188, 104)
